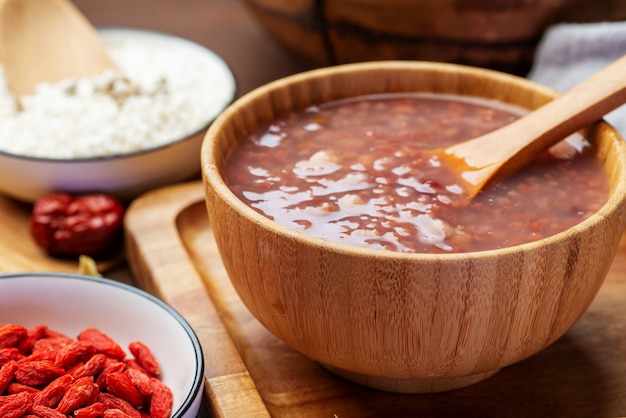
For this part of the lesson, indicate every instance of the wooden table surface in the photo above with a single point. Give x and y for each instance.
(251, 374)
(227, 27)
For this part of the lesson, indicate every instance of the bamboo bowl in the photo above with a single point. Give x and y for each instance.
(411, 323)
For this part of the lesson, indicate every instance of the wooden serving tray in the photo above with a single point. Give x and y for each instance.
(250, 373)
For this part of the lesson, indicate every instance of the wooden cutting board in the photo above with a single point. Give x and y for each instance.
(250, 373)
(20, 253)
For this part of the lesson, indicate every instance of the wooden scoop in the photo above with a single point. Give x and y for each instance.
(48, 41)
(498, 153)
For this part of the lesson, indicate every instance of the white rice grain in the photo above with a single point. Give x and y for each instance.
(181, 88)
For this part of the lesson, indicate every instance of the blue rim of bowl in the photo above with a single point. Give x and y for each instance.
(199, 375)
(187, 137)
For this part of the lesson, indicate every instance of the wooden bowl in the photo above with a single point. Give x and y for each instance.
(496, 34)
(407, 322)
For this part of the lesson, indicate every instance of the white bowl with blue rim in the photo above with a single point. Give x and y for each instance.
(70, 303)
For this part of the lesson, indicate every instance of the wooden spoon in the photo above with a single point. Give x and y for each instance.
(496, 154)
(48, 41)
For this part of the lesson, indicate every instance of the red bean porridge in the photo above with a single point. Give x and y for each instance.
(354, 172)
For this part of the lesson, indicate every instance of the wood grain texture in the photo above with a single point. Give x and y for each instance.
(163, 267)
(581, 375)
(488, 33)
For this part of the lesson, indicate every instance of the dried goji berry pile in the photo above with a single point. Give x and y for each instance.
(46, 374)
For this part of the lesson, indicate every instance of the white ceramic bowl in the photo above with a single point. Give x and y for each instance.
(70, 303)
(125, 175)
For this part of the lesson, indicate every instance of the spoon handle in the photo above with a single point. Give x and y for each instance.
(515, 144)
(48, 41)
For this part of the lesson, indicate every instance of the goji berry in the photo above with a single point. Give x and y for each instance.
(113, 402)
(49, 345)
(144, 357)
(33, 334)
(37, 373)
(72, 353)
(7, 374)
(15, 387)
(115, 413)
(45, 412)
(140, 380)
(16, 405)
(103, 343)
(9, 353)
(120, 385)
(43, 350)
(131, 363)
(11, 335)
(162, 400)
(110, 366)
(91, 367)
(52, 394)
(71, 370)
(94, 394)
(95, 410)
(77, 395)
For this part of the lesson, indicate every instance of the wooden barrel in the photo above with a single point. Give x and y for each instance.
(497, 34)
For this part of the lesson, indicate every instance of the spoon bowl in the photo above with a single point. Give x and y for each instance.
(481, 160)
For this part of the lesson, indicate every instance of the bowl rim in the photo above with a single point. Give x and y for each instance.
(212, 176)
(198, 378)
(209, 52)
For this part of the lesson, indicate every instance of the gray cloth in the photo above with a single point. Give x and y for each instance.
(569, 53)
